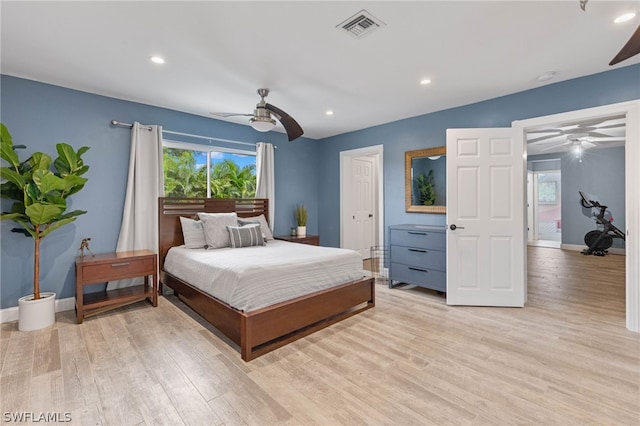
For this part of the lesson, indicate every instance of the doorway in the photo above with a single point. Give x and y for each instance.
(361, 199)
(631, 113)
(544, 204)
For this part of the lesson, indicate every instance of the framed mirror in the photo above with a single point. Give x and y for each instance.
(425, 176)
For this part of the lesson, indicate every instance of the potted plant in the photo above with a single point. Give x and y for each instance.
(39, 206)
(301, 220)
(426, 189)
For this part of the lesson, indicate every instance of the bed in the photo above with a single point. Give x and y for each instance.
(260, 330)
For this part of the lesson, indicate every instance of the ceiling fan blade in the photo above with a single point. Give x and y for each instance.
(587, 144)
(546, 138)
(630, 49)
(600, 135)
(607, 139)
(230, 114)
(294, 131)
(555, 145)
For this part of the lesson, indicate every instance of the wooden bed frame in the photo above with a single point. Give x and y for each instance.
(261, 331)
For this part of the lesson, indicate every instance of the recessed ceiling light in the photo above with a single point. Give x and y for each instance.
(329, 112)
(156, 59)
(546, 76)
(425, 82)
(624, 18)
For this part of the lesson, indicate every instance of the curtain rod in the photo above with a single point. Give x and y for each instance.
(209, 138)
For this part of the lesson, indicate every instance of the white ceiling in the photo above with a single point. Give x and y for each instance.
(218, 53)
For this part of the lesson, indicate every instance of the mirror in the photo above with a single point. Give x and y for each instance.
(425, 180)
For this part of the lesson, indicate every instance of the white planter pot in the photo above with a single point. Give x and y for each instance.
(302, 231)
(36, 314)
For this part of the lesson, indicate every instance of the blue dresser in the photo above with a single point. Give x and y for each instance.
(418, 256)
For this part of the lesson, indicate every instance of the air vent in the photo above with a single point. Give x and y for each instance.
(361, 24)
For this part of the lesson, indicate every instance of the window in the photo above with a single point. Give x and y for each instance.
(192, 170)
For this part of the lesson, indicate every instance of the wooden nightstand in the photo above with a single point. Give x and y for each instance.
(110, 267)
(313, 240)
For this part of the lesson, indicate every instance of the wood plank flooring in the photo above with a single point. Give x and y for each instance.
(564, 359)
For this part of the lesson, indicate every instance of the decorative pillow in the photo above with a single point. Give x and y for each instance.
(245, 236)
(193, 233)
(266, 232)
(215, 228)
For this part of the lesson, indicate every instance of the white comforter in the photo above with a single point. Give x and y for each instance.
(251, 278)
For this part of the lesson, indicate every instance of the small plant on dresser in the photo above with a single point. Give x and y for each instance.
(301, 220)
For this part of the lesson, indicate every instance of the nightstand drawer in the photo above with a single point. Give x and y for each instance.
(119, 269)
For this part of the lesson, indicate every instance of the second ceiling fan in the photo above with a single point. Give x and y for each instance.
(262, 117)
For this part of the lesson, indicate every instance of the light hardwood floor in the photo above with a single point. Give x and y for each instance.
(564, 359)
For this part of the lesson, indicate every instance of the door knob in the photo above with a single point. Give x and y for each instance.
(454, 227)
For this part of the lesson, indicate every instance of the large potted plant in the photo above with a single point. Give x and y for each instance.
(39, 188)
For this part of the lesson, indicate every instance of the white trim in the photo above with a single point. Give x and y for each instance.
(205, 148)
(378, 152)
(11, 314)
(631, 110)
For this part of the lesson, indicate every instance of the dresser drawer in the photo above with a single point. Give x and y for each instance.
(118, 269)
(424, 277)
(419, 257)
(418, 238)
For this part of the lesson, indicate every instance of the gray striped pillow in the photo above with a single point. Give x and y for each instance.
(245, 236)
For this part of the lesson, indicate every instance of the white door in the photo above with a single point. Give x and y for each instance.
(361, 199)
(363, 204)
(485, 218)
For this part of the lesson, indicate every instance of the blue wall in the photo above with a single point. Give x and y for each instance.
(427, 131)
(601, 174)
(40, 115)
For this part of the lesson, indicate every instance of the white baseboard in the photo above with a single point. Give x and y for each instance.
(575, 247)
(11, 314)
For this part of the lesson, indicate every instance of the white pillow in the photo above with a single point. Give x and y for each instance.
(193, 233)
(264, 226)
(215, 228)
(245, 236)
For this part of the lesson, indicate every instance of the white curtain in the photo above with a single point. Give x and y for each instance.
(139, 229)
(265, 177)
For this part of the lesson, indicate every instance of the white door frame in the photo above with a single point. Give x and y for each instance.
(631, 110)
(532, 223)
(377, 151)
(534, 200)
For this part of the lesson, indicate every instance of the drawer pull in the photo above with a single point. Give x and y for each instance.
(418, 269)
(115, 265)
(417, 233)
(418, 251)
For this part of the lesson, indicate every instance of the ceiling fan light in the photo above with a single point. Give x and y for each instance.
(262, 124)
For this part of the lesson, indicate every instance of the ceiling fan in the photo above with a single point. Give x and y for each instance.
(631, 48)
(262, 120)
(600, 132)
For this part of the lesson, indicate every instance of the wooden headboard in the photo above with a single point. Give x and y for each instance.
(171, 208)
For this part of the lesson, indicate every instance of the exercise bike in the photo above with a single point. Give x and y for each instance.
(598, 241)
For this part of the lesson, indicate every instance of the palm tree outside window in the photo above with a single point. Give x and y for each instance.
(192, 170)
